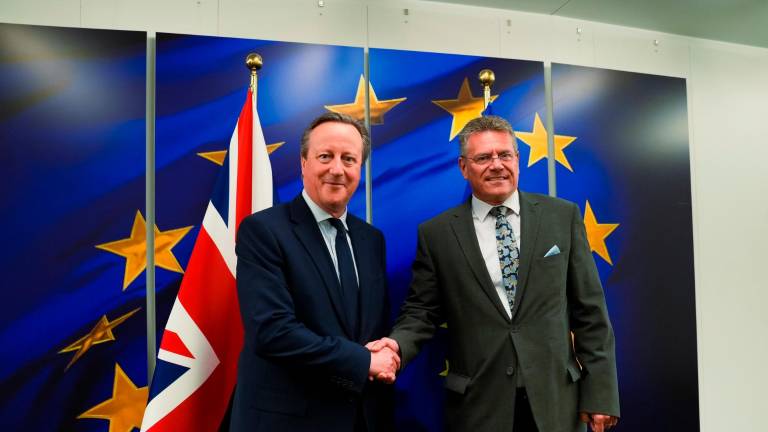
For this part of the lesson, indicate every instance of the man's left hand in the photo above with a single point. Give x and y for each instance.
(598, 422)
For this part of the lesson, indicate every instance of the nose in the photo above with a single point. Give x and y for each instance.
(336, 168)
(496, 162)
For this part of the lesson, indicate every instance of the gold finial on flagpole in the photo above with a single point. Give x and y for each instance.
(253, 62)
(487, 78)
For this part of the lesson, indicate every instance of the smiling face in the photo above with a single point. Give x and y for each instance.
(496, 181)
(331, 167)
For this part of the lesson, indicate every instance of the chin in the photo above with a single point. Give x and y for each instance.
(498, 197)
(334, 202)
(500, 191)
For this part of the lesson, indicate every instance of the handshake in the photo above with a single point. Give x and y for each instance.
(385, 360)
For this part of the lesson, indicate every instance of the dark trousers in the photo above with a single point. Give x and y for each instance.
(360, 425)
(524, 421)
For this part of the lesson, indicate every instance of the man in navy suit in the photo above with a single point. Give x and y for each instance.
(312, 290)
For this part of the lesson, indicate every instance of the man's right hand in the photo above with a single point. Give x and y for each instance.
(382, 343)
(598, 422)
(385, 360)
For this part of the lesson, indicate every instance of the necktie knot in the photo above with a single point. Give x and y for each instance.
(499, 211)
(338, 224)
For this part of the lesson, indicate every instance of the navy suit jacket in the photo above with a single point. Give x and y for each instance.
(302, 367)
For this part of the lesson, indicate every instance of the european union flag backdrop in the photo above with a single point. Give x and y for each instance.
(72, 134)
(201, 85)
(416, 175)
(72, 128)
(625, 137)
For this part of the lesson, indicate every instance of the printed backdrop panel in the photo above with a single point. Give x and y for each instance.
(73, 332)
(623, 157)
(422, 100)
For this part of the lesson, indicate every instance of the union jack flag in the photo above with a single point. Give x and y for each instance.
(197, 361)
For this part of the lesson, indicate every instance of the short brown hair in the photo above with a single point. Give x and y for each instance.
(482, 124)
(340, 118)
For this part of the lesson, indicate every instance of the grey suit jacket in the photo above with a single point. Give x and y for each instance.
(488, 352)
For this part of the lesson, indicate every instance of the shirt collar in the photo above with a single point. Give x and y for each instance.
(481, 209)
(320, 214)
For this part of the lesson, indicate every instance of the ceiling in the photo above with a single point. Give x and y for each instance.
(738, 21)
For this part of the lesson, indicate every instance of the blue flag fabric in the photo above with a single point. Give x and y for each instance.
(72, 138)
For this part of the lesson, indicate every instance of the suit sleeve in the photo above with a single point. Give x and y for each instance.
(269, 318)
(594, 342)
(420, 313)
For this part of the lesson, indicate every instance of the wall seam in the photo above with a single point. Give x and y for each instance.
(367, 113)
(150, 205)
(550, 127)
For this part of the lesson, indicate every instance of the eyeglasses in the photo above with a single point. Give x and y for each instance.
(485, 158)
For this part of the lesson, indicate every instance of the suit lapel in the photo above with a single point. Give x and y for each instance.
(529, 230)
(464, 229)
(309, 235)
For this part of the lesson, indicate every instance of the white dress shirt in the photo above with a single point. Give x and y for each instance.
(329, 232)
(485, 229)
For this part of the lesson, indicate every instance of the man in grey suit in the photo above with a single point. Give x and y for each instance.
(531, 347)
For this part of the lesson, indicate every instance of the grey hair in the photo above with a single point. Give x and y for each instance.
(340, 118)
(482, 124)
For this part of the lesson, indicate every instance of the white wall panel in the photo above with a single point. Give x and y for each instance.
(65, 13)
(454, 30)
(728, 94)
(635, 50)
(170, 16)
(336, 23)
(543, 37)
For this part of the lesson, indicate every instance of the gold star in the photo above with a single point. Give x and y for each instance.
(597, 233)
(134, 249)
(272, 147)
(101, 332)
(537, 141)
(464, 108)
(218, 157)
(126, 407)
(356, 109)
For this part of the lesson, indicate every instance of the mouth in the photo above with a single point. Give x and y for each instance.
(497, 178)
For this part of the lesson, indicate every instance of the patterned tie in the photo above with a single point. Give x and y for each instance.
(509, 254)
(347, 276)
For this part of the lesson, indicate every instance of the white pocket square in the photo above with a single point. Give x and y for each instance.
(553, 251)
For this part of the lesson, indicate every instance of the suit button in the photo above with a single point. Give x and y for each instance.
(510, 371)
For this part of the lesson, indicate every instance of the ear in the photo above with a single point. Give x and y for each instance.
(463, 167)
(303, 164)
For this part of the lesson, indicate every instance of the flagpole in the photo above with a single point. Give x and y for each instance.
(487, 78)
(254, 62)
